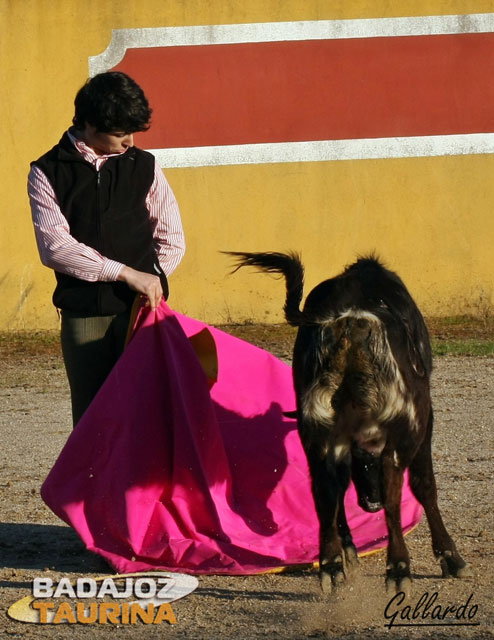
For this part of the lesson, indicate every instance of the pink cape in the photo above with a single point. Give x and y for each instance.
(164, 473)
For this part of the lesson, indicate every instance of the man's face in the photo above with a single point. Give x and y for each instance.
(107, 143)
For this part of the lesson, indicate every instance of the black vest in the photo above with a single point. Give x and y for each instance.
(107, 211)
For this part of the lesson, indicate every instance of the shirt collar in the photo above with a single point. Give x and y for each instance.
(86, 152)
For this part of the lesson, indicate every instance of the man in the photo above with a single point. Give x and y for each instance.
(107, 222)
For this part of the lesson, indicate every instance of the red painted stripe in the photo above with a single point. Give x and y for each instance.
(316, 90)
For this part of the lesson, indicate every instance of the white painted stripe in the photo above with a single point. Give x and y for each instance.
(326, 150)
(311, 151)
(123, 39)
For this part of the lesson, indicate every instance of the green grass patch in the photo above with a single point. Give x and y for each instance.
(454, 336)
(19, 344)
(461, 327)
(465, 347)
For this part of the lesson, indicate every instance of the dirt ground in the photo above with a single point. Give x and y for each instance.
(35, 422)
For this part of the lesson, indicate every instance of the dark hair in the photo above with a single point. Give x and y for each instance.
(112, 102)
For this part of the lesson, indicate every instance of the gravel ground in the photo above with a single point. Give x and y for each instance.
(35, 422)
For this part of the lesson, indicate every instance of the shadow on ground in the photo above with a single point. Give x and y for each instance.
(44, 546)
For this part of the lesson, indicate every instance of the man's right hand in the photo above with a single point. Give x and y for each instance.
(146, 284)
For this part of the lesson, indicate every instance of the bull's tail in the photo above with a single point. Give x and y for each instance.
(288, 265)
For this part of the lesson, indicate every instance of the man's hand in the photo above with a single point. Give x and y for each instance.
(145, 283)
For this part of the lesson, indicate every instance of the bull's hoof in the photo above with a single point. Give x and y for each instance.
(326, 582)
(332, 575)
(464, 572)
(403, 585)
(453, 566)
(351, 558)
(398, 578)
(331, 581)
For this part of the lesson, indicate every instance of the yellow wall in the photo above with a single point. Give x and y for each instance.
(429, 218)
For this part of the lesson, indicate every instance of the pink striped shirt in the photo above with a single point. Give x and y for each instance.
(62, 252)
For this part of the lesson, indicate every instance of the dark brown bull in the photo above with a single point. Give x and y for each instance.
(361, 368)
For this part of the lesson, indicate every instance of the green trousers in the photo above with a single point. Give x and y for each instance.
(90, 347)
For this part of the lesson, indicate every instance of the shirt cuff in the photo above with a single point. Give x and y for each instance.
(110, 271)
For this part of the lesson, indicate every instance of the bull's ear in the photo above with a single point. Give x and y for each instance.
(419, 348)
(290, 414)
(416, 360)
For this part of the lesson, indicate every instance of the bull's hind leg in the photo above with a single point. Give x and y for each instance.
(326, 489)
(398, 577)
(343, 471)
(423, 485)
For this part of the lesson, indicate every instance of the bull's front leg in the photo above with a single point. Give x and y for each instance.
(423, 485)
(398, 576)
(326, 492)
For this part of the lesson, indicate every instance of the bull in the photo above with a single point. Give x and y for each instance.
(362, 363)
